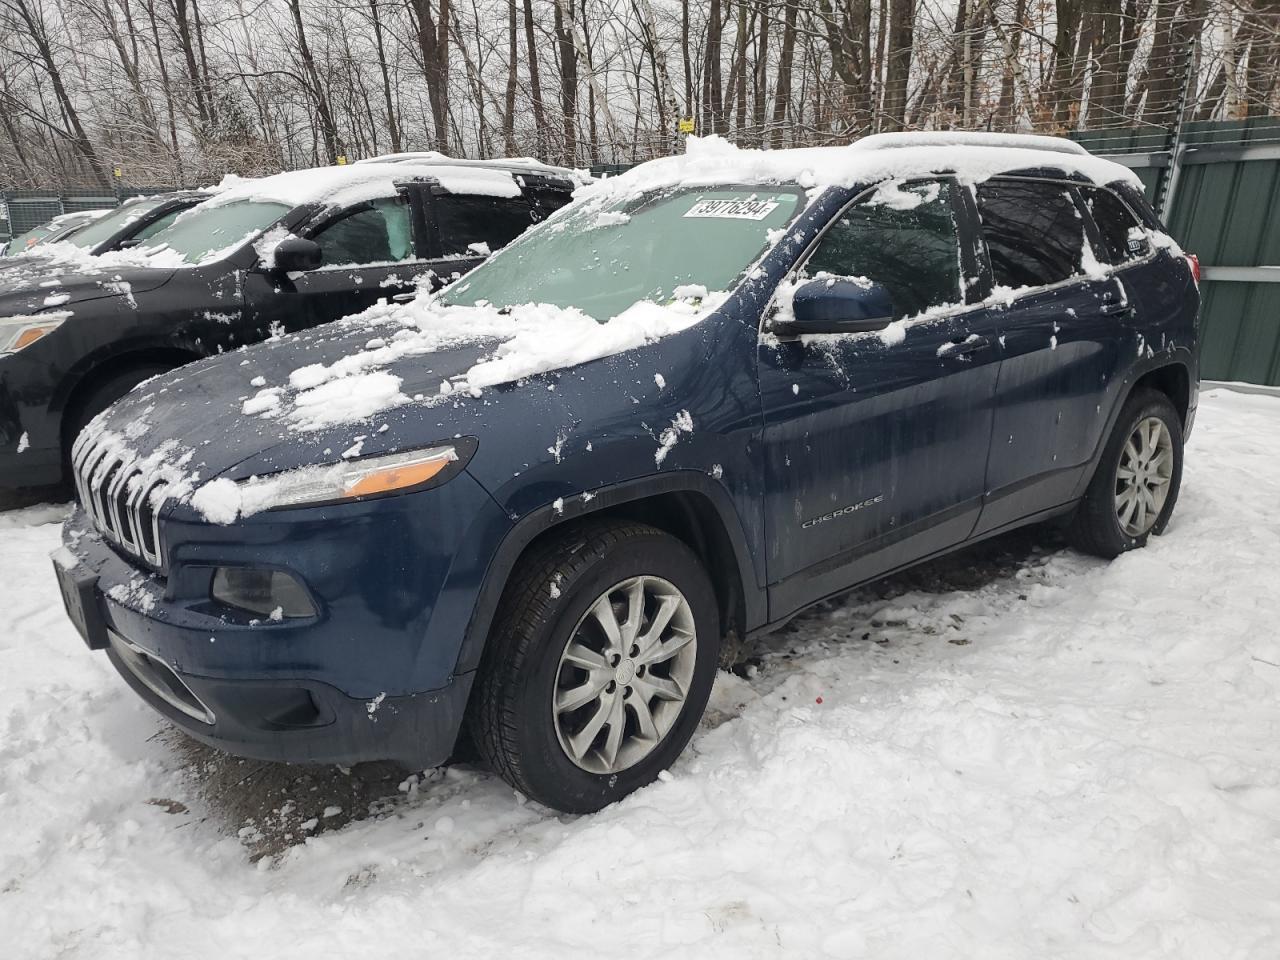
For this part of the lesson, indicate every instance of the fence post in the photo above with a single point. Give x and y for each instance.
(1168, 184)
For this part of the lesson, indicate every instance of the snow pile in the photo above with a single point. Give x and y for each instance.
(527, 340)
(1023, 753)
(971, 158)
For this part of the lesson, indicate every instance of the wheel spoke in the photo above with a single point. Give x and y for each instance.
(1128, 508)
(660, 652)
(581, 741)
(650, 686)
(1125, 473)
(617, 727)
(581, 695)
(1151, 435)
(667, 606)
(585, 657)
(644, 717)
(1140, 521)
(1158, 460)
(630, 627)
(604, 615)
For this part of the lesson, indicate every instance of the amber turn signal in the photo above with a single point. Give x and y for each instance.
(398, 477)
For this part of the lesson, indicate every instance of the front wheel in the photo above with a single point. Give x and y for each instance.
(599, 665)
(1135, 488)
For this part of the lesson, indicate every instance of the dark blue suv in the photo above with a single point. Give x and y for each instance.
(532, 511)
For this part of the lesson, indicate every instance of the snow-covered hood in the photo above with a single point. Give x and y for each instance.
(306, 398)
(31, 288)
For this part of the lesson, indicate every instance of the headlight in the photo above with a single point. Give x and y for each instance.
(22, 331)
(223, 500)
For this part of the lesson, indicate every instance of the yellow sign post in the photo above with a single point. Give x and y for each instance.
(685, 125)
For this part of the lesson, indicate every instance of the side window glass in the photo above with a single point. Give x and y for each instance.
(157, 225)
(1122, 235)
(902, 237)
(377, 233)
(476, 225)
(1034, 232)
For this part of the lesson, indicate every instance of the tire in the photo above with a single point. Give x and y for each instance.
(98, 399)
(555, 596)
(1108, 521)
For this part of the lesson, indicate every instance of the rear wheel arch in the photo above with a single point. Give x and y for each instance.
(1171, 379)
(688, 505)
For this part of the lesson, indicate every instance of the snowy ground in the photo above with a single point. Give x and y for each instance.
(1018, 753)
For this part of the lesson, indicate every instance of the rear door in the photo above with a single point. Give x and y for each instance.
(370, 251)
(875, 444)
(464, 229)
(1065, 337)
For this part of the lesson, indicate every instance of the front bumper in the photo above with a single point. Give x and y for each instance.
(371, 677)
(299, 722)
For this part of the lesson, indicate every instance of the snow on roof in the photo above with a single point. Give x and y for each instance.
(351, 183)
(972, 157)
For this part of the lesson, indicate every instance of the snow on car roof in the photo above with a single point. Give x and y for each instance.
(351, 183)
(972, 157)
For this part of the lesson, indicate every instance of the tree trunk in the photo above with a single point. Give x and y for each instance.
(328, 129)
(44, 49)
(712, 93)
(393, 126)
(760, 79)
(782, 93)
(563, 24)
(902, 22)
(509, 100)
(535, 83)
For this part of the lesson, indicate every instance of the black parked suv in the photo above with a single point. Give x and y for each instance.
(719, 388)
(262, 258)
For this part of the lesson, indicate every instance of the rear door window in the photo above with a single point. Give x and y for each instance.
(1123, 236)
(471, 225)
(904, 238)
(1034, 232)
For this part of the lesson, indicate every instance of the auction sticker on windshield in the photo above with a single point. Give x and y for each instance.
(751, 209)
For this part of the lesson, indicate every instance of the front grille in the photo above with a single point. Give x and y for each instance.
(121, 498)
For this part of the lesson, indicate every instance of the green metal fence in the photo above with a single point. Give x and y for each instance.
(25, 209)
(1221, 186)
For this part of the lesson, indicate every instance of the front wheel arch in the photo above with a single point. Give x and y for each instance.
(689, 505)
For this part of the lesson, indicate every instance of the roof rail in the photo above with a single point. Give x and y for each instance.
(969, 138)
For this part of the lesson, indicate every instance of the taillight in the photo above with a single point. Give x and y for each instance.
(1194, 262)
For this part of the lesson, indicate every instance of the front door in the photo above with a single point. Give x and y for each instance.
(875, 444)
(369, 252)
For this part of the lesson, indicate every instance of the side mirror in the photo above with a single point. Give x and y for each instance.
(831, 305)
(296, 255)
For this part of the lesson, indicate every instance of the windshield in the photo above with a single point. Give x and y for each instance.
(204, 231)
(106, 226)
(647, 247)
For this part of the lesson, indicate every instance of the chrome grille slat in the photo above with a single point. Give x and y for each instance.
(120, 498)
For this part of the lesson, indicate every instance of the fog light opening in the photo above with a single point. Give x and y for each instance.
(272, 594)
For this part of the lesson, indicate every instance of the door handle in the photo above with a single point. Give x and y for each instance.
(404, 297)
(964, 349)
(1116, 308)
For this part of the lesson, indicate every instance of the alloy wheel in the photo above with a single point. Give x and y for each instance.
(1143, 476)
(624, 674)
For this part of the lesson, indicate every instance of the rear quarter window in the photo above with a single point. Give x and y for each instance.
(1123, 237)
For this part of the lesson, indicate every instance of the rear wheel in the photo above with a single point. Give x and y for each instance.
(1135, 488)
(599, 665)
